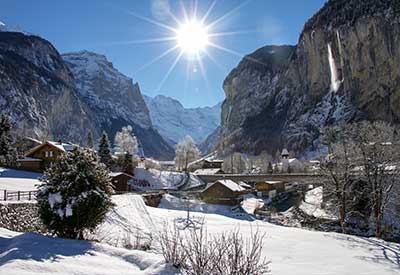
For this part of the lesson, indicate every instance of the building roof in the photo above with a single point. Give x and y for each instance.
(116, 174)
(230, 184)
(64, 147)
(207, 171)
(285, 152)
(244, 185)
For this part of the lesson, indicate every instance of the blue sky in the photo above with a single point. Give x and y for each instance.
(114, 28)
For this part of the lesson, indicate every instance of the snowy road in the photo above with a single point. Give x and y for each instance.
(16, 180)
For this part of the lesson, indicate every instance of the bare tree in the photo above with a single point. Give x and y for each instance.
(186, 152)
(125, 141)
(337, 168)
(379, 146)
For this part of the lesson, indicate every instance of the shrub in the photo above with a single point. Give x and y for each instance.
(75, 194)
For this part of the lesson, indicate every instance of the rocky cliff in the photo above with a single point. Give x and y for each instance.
(174, 121)
(115, 100)
(38, 90)
(345, 68)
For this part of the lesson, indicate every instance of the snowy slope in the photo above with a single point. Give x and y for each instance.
(292, 251)
(174, 121)
(15, 180)
(30, 253)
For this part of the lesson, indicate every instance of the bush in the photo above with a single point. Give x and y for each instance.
(197, 253)
(75, 194)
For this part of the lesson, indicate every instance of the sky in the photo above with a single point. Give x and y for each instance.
(132, 34)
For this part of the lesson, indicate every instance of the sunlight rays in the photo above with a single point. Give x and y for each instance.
(191, 37)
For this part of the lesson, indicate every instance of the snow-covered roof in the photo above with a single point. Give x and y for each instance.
(244, 185)
(230, 184)
(272, 182)
(207, 171)
(285, 152)
(116, 174)
(66, 147)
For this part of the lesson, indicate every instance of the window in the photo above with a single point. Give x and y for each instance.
(51, 154)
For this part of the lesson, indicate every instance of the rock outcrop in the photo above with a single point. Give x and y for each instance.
(345, 68)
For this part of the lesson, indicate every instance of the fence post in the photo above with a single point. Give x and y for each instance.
(19, 195)
(29, 196)
(5, 195)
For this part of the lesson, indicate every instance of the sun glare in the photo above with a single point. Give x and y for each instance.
(192, 37)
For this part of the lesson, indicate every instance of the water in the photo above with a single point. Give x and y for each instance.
(335, 82)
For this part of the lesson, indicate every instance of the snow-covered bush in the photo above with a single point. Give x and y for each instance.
(75, 194)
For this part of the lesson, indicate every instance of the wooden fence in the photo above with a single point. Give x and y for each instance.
(6, 195)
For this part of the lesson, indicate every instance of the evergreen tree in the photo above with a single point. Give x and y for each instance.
(104, 150)
(89, 141)
(75, 195)
(7, 151)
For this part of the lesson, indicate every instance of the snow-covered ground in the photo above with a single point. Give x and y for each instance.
(312, 205)
(17, 180)
(290, 250)
(29, 253)
(159, 179)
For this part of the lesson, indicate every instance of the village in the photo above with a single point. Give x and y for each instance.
(203, 178)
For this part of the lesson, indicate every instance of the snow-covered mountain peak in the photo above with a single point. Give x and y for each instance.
(174, 121)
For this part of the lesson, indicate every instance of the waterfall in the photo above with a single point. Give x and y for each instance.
(335, 82)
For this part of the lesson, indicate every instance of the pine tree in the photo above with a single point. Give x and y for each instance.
(104, 150)
(75, 195)
(89, 141)
(7, 152)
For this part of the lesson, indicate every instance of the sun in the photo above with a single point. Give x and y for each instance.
(192, 37)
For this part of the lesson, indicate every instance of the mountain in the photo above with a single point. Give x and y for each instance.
(50, 97)
(115, 100)
(345, 68)
(174, 121)
(38, 90)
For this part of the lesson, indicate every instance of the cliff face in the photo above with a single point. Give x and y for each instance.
(346, 67)
(115, 100)
(38, 90)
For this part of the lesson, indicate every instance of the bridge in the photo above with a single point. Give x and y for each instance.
(305, 178)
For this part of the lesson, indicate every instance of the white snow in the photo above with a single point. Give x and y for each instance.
(312, 205)
(230, 184)
(17, 180)
(159, 179)
(292, 251)
(251, 203)
(29, 253)
(54, 199)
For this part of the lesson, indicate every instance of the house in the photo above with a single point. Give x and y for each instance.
(212, 163)
(209, 171)
(41, 156)
(120, 181)
(269, 188)
(226, 192)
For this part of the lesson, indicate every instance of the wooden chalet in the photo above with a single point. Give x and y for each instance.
(41, 156)
(225, 192)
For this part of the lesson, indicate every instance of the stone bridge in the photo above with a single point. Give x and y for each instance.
(304, 178)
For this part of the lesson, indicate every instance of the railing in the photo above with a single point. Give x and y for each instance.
(6, 195)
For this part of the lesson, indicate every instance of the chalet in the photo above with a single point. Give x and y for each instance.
(269, 188)
(121, 182)
(225, 192)
(41, 156)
